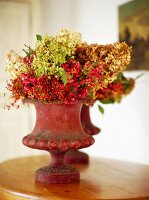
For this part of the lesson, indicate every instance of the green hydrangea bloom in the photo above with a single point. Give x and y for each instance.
(51, 52)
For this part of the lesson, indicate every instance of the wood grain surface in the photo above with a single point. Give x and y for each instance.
(101, 179)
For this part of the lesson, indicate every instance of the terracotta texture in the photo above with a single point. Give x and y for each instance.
(57, 130)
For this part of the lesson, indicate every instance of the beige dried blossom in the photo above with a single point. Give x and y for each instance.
(111, 59)
(14, 65)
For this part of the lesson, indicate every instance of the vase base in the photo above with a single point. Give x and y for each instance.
(64, 174)
(76, 157)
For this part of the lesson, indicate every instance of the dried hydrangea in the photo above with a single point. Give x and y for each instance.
(51, 52)
(15, 65)
(63, 68)
(111, 59)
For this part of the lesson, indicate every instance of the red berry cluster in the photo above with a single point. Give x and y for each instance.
(52, 89)
(44, 88)
(29, 59)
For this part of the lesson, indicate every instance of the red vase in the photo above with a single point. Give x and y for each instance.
(87, 125)
(57, 130)
(75, 156)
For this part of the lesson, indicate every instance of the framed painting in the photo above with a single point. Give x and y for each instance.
(134, 30)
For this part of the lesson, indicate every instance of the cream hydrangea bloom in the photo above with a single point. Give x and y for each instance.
(14, 65)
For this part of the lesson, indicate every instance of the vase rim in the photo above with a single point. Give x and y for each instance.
(32, 101)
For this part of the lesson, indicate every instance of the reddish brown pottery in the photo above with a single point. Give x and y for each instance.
(57, 130)
(75, 156)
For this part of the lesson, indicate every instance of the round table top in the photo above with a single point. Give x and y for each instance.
(100, 179)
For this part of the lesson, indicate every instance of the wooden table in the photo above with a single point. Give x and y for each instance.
(101, 179)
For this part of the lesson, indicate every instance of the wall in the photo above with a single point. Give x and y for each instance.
(125, 130)
(96, 20)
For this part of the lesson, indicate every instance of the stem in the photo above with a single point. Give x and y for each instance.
(57, 159)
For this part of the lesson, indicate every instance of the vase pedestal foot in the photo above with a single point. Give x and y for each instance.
(57, 171)
(76, 157)
(64, 174)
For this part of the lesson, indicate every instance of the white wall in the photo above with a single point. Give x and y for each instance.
(97, 19)
(125, 130)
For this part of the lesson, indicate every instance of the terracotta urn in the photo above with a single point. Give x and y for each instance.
(75, 156)
(57, 130)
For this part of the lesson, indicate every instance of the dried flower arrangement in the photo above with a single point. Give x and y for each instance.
(64, 68)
